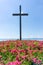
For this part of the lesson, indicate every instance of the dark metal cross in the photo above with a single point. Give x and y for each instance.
(20, 14)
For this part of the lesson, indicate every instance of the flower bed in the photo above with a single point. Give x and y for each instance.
(21, 52)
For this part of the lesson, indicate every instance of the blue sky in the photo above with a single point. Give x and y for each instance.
(32, 25)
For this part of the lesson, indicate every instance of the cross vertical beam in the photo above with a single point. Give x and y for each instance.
(20, 14)
(20, 23)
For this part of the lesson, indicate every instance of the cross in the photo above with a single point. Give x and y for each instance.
(20, 14)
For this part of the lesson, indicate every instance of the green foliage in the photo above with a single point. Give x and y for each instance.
(35, 54)
(24, 46)
(8, 56)
(25, 62)
(11, 45)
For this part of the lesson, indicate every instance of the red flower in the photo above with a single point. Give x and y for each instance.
(39, 61)
(35, 51)
(34, 60)
(22, 50)
(30, 51)
(24, 57)
(19, 43)
(13, 51)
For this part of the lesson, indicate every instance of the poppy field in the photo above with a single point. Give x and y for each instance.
(25, 52)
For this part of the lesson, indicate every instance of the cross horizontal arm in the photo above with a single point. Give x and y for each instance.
(24, 14)
(15, 14)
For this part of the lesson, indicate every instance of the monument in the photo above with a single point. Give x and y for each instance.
(20, 14)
